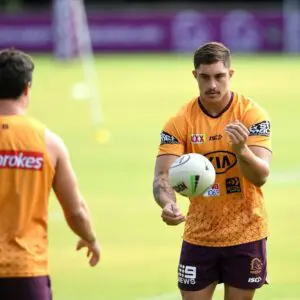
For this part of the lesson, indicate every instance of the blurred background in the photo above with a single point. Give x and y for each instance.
(108, 75)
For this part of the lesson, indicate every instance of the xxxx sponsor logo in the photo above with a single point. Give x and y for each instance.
(198, 138)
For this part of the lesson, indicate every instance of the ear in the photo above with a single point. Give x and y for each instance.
(26, 96)
(194, 74)
(231, 72)
(26, 91)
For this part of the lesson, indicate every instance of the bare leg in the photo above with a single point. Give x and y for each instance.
(232, 293)
(204, 294)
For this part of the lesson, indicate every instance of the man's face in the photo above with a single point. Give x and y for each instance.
(213, 80)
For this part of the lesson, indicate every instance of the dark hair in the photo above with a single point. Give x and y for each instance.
(210, 53)
(16, 69)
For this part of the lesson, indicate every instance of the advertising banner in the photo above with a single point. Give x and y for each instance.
(183, 31)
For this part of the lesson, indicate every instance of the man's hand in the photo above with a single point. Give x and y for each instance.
(254, 160)
(171, 214)
(93, 251)
(238, 135)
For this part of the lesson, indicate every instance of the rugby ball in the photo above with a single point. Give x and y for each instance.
(191, 175)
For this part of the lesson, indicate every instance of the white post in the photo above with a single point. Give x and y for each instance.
(291, 25)
(84, 44)
(62, 29)
(85, 51)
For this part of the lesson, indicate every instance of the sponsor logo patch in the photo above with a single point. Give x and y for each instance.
(256, 266)
(187, 274)
(254, 279)
(166, 138)
(198, 138)
(233, 185)
(260, 129)
(26, 160)
(222, 160)
(213, 191)
(216, 137)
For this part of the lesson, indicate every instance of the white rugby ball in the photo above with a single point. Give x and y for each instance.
(191, 174)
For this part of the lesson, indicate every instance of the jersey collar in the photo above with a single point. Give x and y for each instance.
(218, 115)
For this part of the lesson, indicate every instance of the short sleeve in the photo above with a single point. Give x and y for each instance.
(259, 124)
(172, 137)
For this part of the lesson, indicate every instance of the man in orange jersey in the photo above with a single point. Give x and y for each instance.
(32, 161)
(225, 229)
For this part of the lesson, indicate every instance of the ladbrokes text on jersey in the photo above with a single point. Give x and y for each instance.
(21, 160)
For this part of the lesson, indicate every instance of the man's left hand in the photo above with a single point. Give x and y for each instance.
(238, 134)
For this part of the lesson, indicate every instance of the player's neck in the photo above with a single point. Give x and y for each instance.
(215, 108)
(11, 107)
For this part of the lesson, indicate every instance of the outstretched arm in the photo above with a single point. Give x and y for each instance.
(68, 194)
(163, 193)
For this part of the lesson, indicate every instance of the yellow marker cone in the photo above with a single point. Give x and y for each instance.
(102, 135)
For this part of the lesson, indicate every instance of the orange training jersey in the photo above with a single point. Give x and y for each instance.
(26, 176)
(232, 211)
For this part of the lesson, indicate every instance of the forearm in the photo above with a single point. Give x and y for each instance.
(255, 169)
(80, 223)
(162, 190)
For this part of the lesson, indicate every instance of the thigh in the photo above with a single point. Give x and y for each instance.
(25, 288)
(198, 267)
(245, 266)
(232, 293)
(204, 294)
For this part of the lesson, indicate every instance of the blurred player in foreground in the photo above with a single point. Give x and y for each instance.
(226, 228)
(32, 161)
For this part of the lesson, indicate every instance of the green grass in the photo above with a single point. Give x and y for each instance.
(139, 92)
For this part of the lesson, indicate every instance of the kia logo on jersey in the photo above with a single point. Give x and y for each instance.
(28, 160)
(222, 160)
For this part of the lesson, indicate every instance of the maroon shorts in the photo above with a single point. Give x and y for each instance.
(243, 266)
(25, 288)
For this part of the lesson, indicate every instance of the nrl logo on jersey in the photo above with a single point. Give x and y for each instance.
(198, 138)
(166, 138)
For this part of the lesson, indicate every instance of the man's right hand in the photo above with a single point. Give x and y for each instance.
(93, 251)
(171, 214)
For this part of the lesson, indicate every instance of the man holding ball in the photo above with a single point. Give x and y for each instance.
(226, 229)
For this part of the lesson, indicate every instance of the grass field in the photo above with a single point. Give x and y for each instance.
(139, 92)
